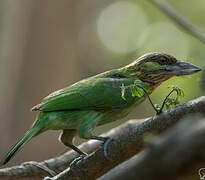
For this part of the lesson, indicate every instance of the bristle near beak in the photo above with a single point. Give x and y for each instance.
(182, 68)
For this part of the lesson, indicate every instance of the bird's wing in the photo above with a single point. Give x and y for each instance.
(92, 93)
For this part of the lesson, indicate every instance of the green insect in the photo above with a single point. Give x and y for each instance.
(97, 100)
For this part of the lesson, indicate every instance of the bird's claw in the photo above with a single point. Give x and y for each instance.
(72, 164)
(76, 160)
(104, 145)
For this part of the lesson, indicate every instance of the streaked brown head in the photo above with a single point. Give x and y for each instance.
(157, 67)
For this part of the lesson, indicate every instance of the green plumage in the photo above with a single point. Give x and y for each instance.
(97, 100)
(89, 94)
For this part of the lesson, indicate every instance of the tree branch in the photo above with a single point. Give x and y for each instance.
(181, 21)
(177, 154)
(30, 170)
(127, 145)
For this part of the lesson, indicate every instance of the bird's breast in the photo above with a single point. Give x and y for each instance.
(117, 114)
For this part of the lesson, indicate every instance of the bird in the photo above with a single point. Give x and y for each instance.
(77, 109)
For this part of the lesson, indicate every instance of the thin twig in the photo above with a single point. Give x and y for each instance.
(181, 21)
(165, 100)
(150, 100)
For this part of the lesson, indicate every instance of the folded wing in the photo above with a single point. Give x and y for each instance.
(92, 93)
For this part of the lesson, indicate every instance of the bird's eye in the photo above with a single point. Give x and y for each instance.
(163, 60)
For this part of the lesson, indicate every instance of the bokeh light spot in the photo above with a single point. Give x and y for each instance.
(120, 25)
(164, 37)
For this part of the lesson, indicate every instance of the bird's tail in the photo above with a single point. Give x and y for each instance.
(29, 134)
(34, 130)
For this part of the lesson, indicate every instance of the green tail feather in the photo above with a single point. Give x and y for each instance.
(29, 134)
(35, 129)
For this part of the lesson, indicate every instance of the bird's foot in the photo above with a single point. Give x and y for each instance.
(104, 145)
(76, 160)
(42, 167)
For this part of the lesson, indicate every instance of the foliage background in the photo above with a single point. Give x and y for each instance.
(47, 45)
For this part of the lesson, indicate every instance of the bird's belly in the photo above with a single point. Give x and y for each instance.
(65, 119)
(116, 114)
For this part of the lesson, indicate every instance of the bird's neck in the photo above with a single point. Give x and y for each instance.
(130, 73)
(135, 72)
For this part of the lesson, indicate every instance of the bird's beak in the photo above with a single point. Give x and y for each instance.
(182, 68)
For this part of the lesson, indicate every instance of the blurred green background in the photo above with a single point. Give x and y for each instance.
(47, 45)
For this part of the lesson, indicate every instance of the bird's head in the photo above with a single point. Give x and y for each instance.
(157, 67)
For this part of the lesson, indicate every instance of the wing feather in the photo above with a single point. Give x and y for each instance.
(92, 93)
